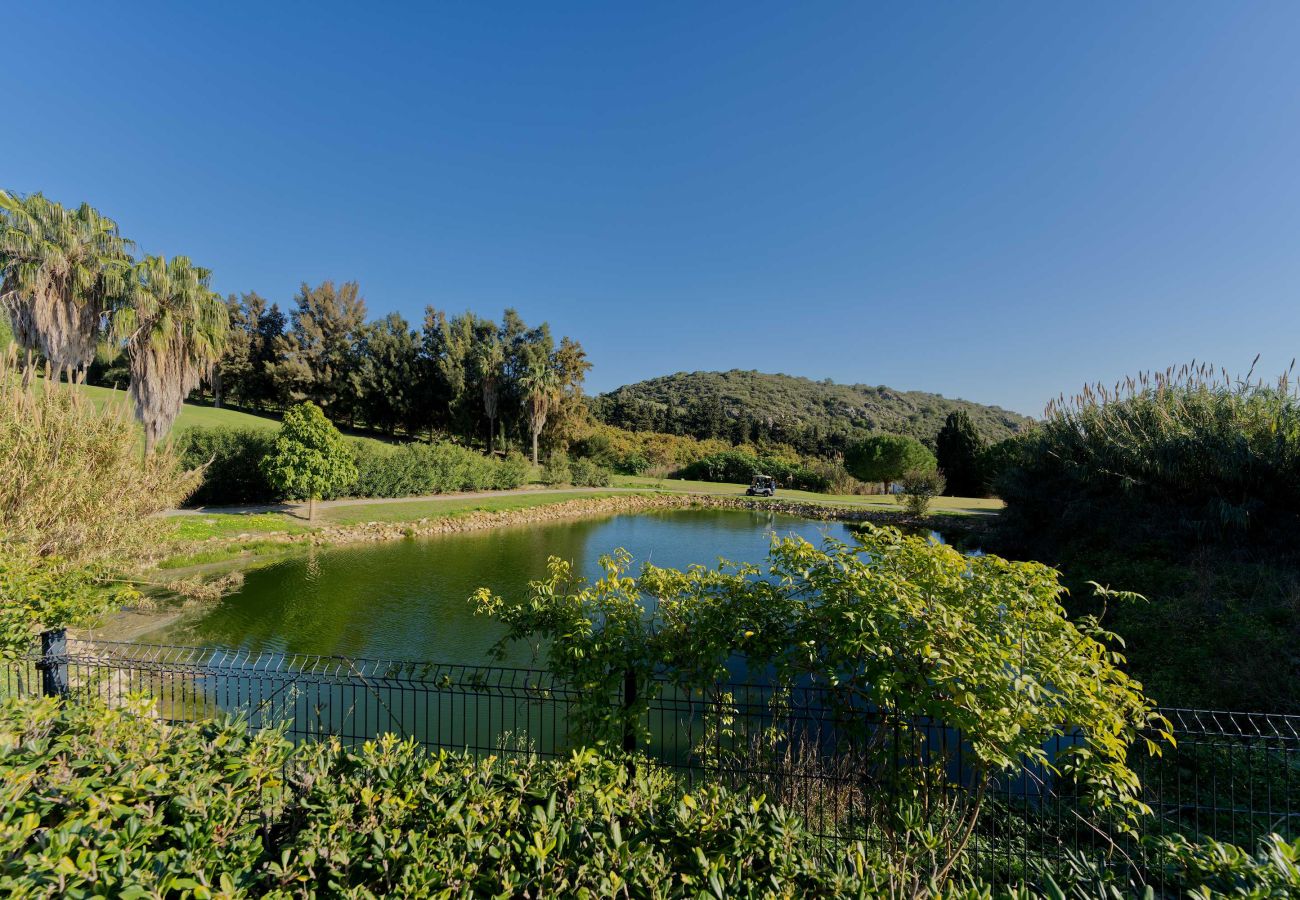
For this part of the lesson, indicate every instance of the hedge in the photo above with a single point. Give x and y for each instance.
(234, 475)
(99, 801)
(113, 802)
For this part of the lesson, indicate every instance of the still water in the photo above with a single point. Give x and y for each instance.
(409, 599)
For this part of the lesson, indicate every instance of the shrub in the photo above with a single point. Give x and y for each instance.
(76, 505)
(556, 470)
(740, 466)
(586, 473)
(232, 461)
(912, 628)
(920, 487)
(1213, 869)
(512, 472)
(114, 802)
(1184, 459)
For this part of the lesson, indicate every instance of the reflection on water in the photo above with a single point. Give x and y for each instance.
(408, 599)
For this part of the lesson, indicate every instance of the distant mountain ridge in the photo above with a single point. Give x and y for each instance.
(816, 416)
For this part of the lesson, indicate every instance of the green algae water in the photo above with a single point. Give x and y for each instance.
(408, 599)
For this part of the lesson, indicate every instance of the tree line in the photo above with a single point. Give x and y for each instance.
(495, 384)
(77, 298)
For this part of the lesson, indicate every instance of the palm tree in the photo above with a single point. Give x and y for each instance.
(175, 329)
(541, 386)
(490, 359)
(64, 271)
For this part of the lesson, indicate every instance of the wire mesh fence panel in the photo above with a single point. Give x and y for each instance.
(843, 767)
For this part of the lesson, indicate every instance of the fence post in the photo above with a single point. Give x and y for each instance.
(54, 662)
(629, 730)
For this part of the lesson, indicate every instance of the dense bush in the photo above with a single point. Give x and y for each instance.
(383, 470)
(919, 488)
(233, 457)
(112, 802)
(641, 453)
(586, 473)
(1184, 459)
(76, 505)
(739, 467)
(1185, 487)
(555, 470)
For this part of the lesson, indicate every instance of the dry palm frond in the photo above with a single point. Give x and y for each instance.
(175, 330)
(63, 273)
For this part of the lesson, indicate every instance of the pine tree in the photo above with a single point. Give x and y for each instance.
(319, 358)
(958, 448)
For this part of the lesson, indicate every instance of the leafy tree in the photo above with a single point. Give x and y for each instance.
(958, 448)
(175, 329)
(63, 270)
(309, 458)
(886, 457)
(319, 358)
(541, 386)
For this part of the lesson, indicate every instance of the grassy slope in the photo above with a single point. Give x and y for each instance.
(191, 415)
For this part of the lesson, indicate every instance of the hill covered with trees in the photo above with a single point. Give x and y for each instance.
(816, 417)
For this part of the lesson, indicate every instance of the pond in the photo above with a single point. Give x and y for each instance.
(409, 599)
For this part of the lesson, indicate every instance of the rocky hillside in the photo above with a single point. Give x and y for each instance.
(815, 416)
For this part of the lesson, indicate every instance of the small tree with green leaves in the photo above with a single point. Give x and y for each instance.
(909, 628)
(887, 457)
(310, 458)
(920, 487)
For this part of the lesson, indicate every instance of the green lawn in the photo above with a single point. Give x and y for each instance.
(191, 415)
(955, 505)
(414, 510)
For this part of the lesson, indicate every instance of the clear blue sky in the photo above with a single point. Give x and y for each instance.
(996, 202)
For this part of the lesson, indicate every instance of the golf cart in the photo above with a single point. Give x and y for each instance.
(762, 486)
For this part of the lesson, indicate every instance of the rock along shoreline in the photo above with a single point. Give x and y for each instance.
(371, 532)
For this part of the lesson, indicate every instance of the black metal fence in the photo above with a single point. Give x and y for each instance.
(1231, 776)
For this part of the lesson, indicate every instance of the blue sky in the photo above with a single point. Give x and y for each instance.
(992, 201)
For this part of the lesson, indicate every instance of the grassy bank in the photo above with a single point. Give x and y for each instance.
(941, 505)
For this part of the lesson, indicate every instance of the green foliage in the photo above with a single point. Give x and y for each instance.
(585, 473)
(1182, 485)
(556, 470)
(417, 469)
(232, 464)
(309, 457)
(76, 502)
(959, 449)
(739, 467)
(236, 475)
(112, 802)
(1186, 458)
(817, 418)
(886, 457)
(1213, 869)
(642, 452)
(919, 488)
(900, 624)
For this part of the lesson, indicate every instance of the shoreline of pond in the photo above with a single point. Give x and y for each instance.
(477, 520)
